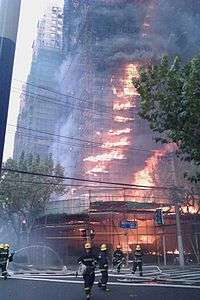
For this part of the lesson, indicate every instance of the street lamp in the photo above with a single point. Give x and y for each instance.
(176, 197)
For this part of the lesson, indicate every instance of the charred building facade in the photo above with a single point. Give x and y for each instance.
(93, 115)
(105, 43)
(101, 59)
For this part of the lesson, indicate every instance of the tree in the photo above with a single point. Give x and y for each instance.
(23, 196)
(170, 102)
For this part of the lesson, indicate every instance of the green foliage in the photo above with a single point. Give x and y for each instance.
(24, 196)
(170, 101)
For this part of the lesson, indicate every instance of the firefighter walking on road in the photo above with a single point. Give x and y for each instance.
(118, 258)
(89, 262)
(103, 266)
(138, 254)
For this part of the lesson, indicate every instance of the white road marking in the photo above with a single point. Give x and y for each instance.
(180, 271)
(110, 283)
(183, 273)
(180, 274)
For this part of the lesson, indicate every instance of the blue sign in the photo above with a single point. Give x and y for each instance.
(128, 224)
(159, 217)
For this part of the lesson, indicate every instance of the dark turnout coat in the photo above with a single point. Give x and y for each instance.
(103, 261)
(138, 254)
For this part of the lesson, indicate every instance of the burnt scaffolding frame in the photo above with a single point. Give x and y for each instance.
(97, 210)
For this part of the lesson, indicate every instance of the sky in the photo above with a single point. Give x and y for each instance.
(31, 12)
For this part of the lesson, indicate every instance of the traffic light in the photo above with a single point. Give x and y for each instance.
(92, 234)
(159, 217)
(23, 225)
(85, 233)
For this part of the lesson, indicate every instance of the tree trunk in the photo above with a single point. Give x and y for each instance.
(18, 241)
(197, 247)
(195, 250)
(28, 232)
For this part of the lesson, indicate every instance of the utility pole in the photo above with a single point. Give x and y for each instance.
(164, 249)
(88, 237)
(176, 198)
(9, 18)
(126, 232)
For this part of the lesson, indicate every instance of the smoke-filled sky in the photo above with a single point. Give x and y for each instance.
(116, 27)
(176, 26)
(114, 33)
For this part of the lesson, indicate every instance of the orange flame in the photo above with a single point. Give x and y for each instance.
(144, 177)
(122, 106)
(97, 169)
(122, 142)
(119, 132)
(121, 119)
(109, 156)
(114, 139)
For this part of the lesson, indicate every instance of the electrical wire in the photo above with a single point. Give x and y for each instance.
(61, 94)
(66, 104)
(92, 196)
(82, 185)
(86, 180)
(98, 145)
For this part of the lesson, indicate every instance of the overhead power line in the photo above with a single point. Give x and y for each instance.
(54, 134)
(121, 184)
(95, 144)
(95, 111)
(80, 185)
(66, 104)
(95, 195)
(62, 94)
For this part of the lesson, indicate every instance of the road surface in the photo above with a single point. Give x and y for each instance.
(72, 289)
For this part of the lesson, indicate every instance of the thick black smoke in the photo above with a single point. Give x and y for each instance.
(176, 27)
(116, 31)
(113, 30)
(99, 36)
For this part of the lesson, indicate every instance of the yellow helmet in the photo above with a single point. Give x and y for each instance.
(119, 247)
(1, 246)
(88, 246)
(6, 246)
(103, 247)
(138, 247)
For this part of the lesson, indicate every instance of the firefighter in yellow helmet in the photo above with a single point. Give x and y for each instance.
(89, 260)
(5, 257)
(118, 258)
(103, 266)
(6, 246)
(138, 254)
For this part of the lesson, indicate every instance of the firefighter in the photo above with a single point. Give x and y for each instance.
(89, 261)
(118, 258)
(138, 254)
(5, 257)
(103, 266)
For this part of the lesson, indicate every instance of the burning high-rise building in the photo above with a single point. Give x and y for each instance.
(100, 136)
(105, 43)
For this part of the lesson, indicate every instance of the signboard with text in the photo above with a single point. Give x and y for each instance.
(126, 224)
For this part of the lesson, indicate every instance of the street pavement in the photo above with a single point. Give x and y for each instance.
(46, 289)
(190, 275)
(123, 287)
